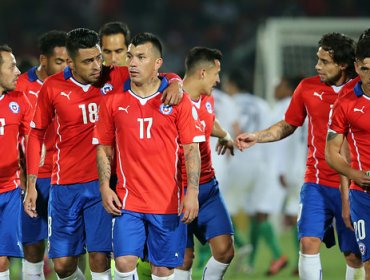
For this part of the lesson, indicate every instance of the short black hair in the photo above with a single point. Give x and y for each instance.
(198, 54)
(341, 48)
(50, 40)
(363, 48)
(364, 34)
(80, 38)
(146, 37)
(115, 27)
(4, 48)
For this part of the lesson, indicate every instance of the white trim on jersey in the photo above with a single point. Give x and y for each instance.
(314, 148)
(356, 147)
(123, 176)
(143, 100)
(58, 149)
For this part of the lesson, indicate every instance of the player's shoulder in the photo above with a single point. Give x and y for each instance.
(56, 78)
(18, 97)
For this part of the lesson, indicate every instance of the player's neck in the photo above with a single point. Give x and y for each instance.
(41, 73)
(191, 88)
(146, 88)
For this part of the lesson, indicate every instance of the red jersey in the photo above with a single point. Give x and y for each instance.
(314, 99)
(15, 117)
(350, 117)
(147, 135)
(30, 84)
(75, 109)
(205, 109)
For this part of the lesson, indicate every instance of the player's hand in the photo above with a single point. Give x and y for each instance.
(245, 140)
(110, 201)
(360, 178)
(223, 145)
(346, 214)
(173, 94)
(29, 202)
(189, 205)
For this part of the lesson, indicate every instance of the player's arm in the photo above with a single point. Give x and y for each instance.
(33, 155)
(225, 141)
(173, 94)
(276, 132)
(110, 199)
(338, 162)
(344, 188)
(190, 203)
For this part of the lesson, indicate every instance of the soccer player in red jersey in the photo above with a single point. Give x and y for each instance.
(350, 120)
(213, 224)
(147, 134)
(53, 59)
(320, 200)
(15, 117)
(72, 98)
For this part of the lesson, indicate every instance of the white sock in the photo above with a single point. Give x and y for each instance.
(106, 275)
(170, 277)
(4, 275)
(182, 274)
(355, 273)
(132, 275)
(309, 267)
(214, 270)
(77, 275)
(33, 271)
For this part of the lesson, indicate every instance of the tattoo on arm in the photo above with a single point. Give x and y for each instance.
(32, 179)
(192, 163)
(331, 135)
(104, 165)
(276, 132)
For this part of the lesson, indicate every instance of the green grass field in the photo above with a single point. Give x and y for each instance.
(332, 262)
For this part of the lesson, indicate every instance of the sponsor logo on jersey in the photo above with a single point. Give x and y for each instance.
(359, 110)
(124, 109)
(319, 95)
(166, 109)
(106, 88)
(66, 94)
(209, 107)
(14, 107)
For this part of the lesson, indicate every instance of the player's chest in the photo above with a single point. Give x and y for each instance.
(33, 92)
(319, 102)
(11, 112)
(206, 115)
(76, 107)
(359, 115)
(131, 113)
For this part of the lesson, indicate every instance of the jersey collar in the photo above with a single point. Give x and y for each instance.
(67, 73)
(358, 89)
(162, 86)
(32, 76)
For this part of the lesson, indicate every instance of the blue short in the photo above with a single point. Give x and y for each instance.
(10, 224)
(77, 220)
(319, 205)
(162, 235)
(360, 203)
(36, 229)
(213, 219)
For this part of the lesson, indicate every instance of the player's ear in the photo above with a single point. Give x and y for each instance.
(158, 63)
(70, 63)
(202, 73)
(43, 60)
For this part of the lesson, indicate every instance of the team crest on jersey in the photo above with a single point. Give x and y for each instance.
(194, 113)
(14, 107)
(362, 248)
(106, 88)
(209, 107)
(166, 109)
